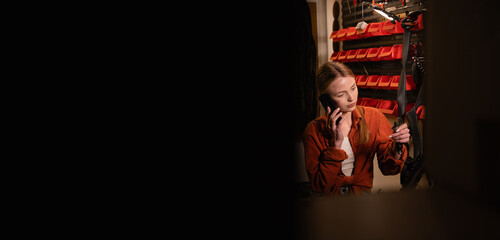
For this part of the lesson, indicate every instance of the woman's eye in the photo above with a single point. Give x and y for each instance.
(340, 95)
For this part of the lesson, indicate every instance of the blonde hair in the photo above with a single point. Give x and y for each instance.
(327, 73)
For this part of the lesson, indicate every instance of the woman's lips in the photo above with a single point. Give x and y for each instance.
(352, 105)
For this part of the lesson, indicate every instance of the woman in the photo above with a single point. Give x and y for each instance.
(339, 157)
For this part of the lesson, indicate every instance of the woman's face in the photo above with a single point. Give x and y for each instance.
(344, 92)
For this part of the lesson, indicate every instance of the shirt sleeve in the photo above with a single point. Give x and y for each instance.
(323, 162)
(385, 148)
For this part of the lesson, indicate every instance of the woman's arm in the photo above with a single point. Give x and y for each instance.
(390, 162)
(323, 162)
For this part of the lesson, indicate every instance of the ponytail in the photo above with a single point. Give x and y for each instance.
(364, 131)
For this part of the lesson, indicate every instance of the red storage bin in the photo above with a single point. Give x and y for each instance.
(370, 102)
(372, 54)
(334, 35)
(372, 81)
(390, 28)
(363, 32)
(360, 77)
(419, 24)
(334, 56)
(391, 53)
(341, 34)
(384, 53)
(394, 79)
(408, 107)
(361, 56)
(388, 107)
(384, 81)
(351, 55)
(375, 30)
(383, 32)
(352, 33)
(361, 81)
(410, 84)
(360, 101)
(342, 56)
(421, 112)
(397, 52)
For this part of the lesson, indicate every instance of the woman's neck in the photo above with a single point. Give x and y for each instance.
(348, 117)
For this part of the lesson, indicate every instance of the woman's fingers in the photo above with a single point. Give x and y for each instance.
(336, 114)
(404, 137)
(332, 118)
(400, 133)
(402, 127)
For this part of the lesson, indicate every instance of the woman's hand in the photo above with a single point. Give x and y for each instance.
(402, 134)
(335, 130)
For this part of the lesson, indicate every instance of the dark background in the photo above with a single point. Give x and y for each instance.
(199, 122)
(461, 135)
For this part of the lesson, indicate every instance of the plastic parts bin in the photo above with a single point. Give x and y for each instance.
(370, 102)
(342, 56)
(421, 112)
(397, 52)
(419, 24)
(372, 81)
(390, 28)
(408, 107)
(341, 34)
(391, 53)
(363, 32)
(384, 53)
(360, 101)
(372, 54)
(334, 35)
(334, 56)
(361, 81)
(376, 30)
(373, 30)
(410, 84)
(384, 81)
(382, 31)
(394, 79)
(388, 107)
(351, 55)
(352, 33)
(361, 56)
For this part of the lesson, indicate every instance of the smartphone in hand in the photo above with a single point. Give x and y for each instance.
(327, 101)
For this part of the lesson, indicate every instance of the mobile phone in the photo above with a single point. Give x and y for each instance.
(327, 101)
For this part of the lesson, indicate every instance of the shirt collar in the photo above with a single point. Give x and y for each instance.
(356, 116)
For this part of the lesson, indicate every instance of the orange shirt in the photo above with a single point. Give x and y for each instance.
(323, 162)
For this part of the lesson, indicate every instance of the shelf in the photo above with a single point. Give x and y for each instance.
(371, 54)
(389, 107)
(374, 29)
(384, 82)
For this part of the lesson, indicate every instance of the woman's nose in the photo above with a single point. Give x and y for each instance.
(350, 97)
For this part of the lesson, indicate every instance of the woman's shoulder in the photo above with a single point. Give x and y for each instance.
(316, 124)
(371, 111)
(372, 114)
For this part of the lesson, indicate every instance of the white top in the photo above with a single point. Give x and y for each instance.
(348, 164)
